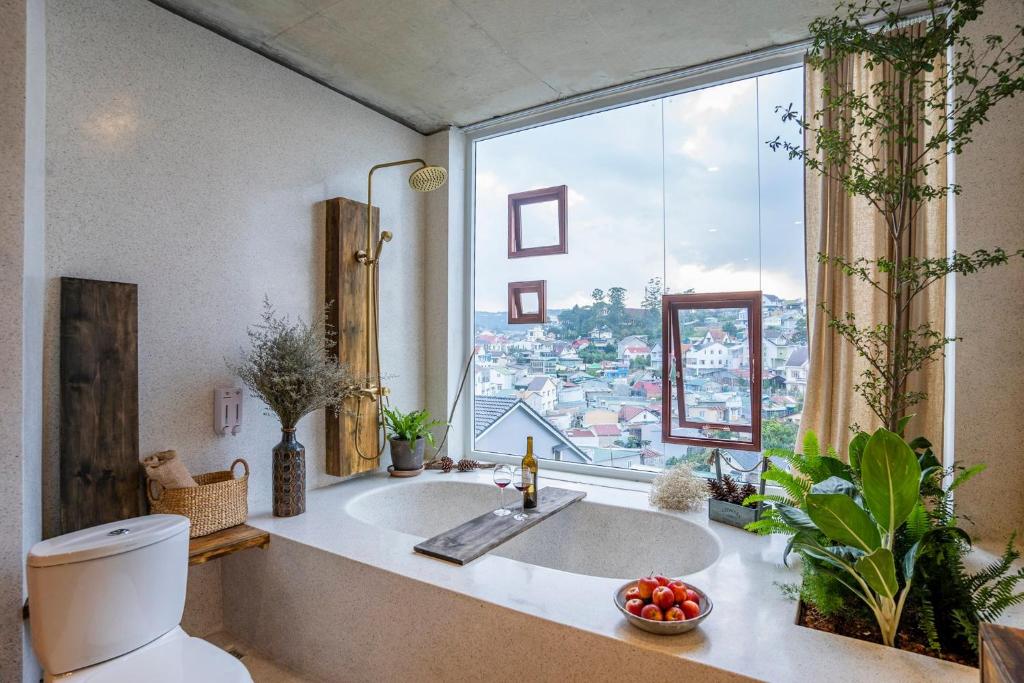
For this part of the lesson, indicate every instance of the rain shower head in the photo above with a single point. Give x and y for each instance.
(428, 178)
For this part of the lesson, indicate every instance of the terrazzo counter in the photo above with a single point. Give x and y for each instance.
(341, 595)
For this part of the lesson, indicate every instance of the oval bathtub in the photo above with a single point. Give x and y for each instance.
(586, 538)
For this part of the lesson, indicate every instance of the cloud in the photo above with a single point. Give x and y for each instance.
(628, 221)
(732, 278)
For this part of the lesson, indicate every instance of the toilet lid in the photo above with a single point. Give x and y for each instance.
(177, 660)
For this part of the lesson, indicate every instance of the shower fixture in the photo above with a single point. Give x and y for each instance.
(426, 178)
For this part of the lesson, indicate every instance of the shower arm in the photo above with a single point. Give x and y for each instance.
(369, 256)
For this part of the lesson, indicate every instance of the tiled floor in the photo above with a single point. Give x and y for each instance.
(262, 670)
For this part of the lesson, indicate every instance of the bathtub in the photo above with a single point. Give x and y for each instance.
(340, 594)
(585, 538)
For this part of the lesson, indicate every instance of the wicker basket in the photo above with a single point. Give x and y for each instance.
(219, 501)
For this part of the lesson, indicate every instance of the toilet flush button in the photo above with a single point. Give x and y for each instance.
(118, 532)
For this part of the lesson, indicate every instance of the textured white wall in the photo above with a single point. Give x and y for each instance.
(447, 338)
(191, 166)
(22, 82)
(990, 310)
(12, 230)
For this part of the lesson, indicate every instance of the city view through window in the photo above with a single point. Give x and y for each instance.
(671, 196)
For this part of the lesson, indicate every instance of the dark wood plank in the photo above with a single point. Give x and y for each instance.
(226, 541)
(1002, 653)
(468, 541)
(346, 284)
(100, 476)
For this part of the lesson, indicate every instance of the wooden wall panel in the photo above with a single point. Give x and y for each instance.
(346, 294)
(100, 475)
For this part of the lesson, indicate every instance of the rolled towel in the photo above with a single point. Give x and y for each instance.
(168, 469)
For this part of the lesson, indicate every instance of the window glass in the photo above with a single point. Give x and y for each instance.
(669, 196)
(539, 224)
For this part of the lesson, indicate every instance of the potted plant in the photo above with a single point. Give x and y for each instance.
(877, 534)
(290, 369)
(409, 434)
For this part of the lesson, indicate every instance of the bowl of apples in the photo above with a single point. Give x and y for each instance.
(658, 604)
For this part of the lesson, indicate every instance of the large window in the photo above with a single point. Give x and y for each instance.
(582, 226)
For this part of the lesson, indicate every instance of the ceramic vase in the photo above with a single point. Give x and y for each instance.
(289, 476)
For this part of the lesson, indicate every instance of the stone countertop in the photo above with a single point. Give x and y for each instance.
(751, 632)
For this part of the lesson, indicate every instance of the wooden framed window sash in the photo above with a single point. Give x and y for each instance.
(527, 302)
(681, 428)
(516, 202)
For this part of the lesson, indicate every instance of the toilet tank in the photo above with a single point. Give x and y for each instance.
(101, 592)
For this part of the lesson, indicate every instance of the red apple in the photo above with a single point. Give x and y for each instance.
(680, 591)
(690, 609)
(662, 580)
(647, 586)
(692, 596)
(652, 612)
(635, 606)
(674, 614)
(633, 594)
(663, 597)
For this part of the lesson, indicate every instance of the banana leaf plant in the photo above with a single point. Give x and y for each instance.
(845, 519)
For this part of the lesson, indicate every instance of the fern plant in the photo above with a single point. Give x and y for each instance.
(846, 520)
(410, 426)
(950, 600)
(944, 600)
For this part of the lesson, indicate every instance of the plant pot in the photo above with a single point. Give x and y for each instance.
(407, 455)
(732, 514)
(289, 476)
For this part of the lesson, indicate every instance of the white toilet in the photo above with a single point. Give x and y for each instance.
(106, 603)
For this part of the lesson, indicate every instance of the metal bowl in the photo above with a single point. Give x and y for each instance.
(664, 628)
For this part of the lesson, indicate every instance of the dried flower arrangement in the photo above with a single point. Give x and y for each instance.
(728, 490)
(678, 489)
(290, 369)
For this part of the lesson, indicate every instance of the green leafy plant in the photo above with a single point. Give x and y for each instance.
(846, 519)
(410, 426)
(880, 145)
(289, 367)
(927, 547)
(949, 599)
(885, 538)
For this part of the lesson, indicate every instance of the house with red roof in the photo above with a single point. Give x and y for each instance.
(607, 435)
(648, 389)
(637, 415)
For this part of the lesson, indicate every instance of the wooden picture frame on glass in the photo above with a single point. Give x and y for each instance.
(527, 302)
(520, 245)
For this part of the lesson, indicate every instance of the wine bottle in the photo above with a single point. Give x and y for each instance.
(529, 466)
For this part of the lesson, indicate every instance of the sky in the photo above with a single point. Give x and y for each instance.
(683, 188)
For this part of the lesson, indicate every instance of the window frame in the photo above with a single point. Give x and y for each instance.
(674, 371)
(515, 302)
(558, 194)
(718, 72)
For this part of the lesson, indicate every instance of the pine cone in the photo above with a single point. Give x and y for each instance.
(730, 489)
(465, 465)
(747, 491)
(716, 490)
(447, 464)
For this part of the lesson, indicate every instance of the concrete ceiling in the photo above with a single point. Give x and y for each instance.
(434, 63)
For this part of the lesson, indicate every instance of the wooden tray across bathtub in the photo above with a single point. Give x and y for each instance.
(468, 541)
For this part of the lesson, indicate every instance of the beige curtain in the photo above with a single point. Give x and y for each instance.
(840, 225)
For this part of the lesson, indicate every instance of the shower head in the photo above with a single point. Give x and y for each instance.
(428, 178)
